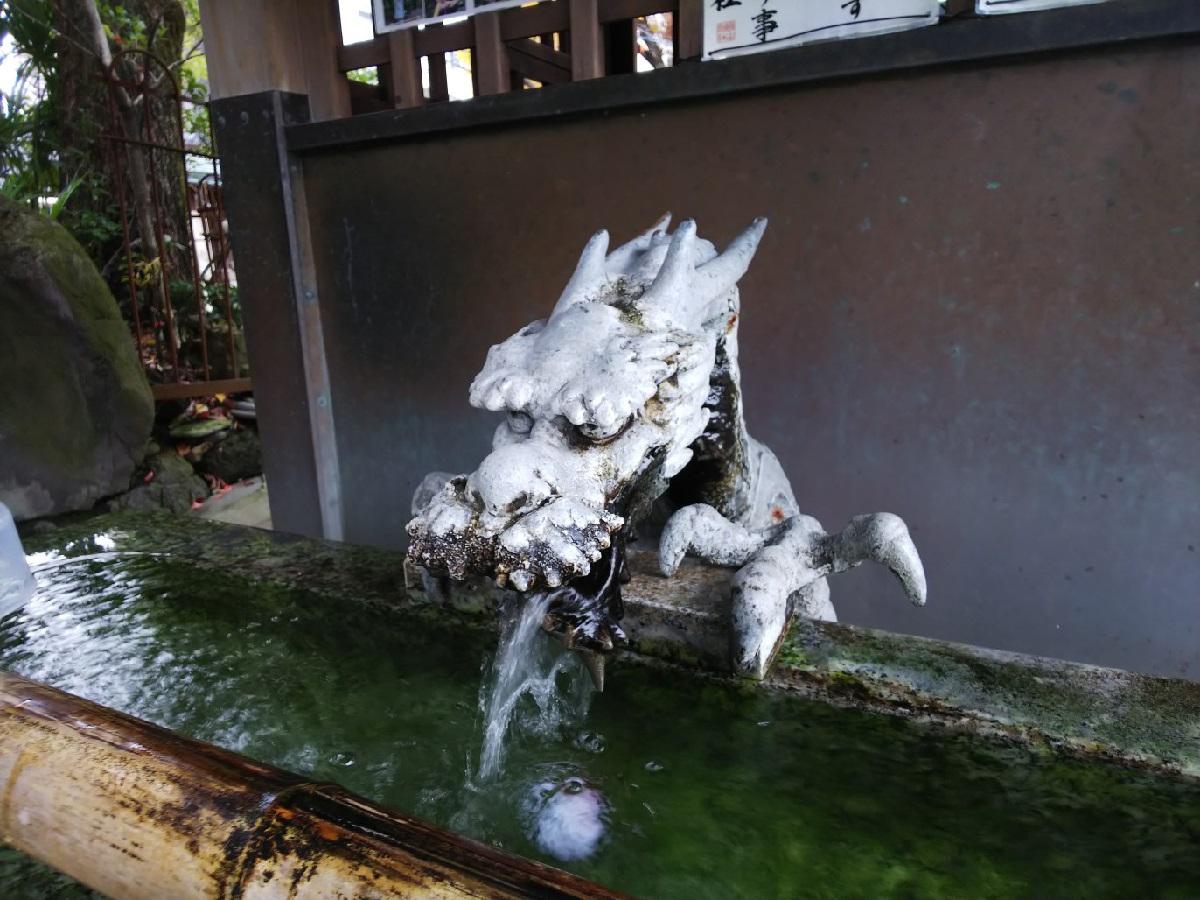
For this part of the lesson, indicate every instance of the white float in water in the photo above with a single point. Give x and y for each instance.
(566, 819)
(16, 581)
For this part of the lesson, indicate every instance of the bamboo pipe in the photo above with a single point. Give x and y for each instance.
(133, 810)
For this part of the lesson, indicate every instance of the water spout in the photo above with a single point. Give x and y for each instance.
(528, 664)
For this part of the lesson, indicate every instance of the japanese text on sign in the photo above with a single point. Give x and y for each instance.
(734, 27)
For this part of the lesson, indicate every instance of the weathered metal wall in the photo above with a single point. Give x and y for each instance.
(260, 206)
(977, 305)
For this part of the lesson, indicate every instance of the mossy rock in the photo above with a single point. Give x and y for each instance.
(237, 457)
(75, 405)
(173, 485)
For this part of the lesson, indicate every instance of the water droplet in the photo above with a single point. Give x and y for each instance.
(764, 723)
(342, 758)
(654, 766)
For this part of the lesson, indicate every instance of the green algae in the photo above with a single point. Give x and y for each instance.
(1076, 709)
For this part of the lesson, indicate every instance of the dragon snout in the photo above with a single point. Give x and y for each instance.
(511, 482)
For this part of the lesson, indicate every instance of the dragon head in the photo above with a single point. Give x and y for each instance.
(602, 402)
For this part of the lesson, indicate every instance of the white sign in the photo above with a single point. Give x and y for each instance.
(734, 27)
(996, 7)
(392, 15)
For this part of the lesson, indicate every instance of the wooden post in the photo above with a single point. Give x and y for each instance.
(490, 57)
(250, 48)
(689, 30)
(265, 45)
(134, 811)
(439, 89)
(405, 70)
(320, 36)
(587, 44)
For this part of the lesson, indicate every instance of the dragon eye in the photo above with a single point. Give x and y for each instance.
(520, 423)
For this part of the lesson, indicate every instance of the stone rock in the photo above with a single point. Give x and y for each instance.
(174, 486)
(237, 457)
(75, 406)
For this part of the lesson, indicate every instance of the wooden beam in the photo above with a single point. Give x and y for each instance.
(530, 20)
(405, 70)
(616, 10)
(536, 65)
(319, 31)
(446, 38)
(200, 388)
(489, 57)
(527, 21)
(545, 52)
(522, 22)
(369, 98)
(587, 44)
(363, 54)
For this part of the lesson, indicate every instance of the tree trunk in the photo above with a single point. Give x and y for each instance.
(152, 181)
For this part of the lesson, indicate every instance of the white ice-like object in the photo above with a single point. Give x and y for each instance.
(16, 581)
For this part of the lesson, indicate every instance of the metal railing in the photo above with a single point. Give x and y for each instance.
(177, 264)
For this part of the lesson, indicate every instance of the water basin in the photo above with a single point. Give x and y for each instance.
(707, 787)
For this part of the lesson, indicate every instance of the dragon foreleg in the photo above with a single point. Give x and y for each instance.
(783, 568)
(701, 531)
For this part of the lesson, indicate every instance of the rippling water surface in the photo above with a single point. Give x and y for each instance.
(670, 787)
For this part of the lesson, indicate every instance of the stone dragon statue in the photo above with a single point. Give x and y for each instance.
(623, 409)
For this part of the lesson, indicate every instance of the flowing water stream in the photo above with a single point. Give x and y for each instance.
(664, 785)
(534, 685)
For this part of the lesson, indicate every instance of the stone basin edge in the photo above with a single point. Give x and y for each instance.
(1070, 708)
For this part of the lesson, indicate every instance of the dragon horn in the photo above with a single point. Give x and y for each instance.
(619, 259)
(668, 294)
(718, 275)
(588, 272)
